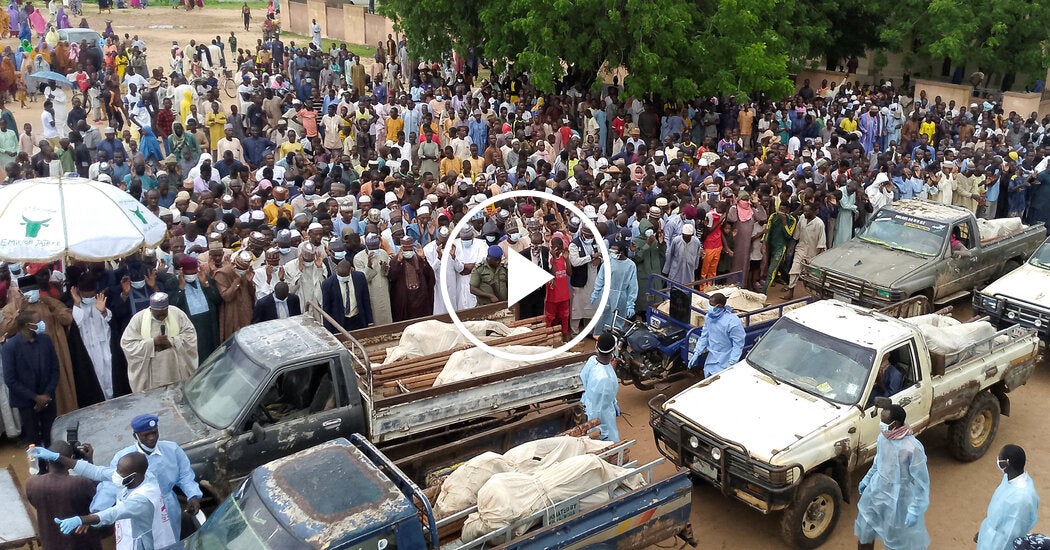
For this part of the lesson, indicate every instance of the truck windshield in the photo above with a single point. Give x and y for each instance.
(222, 386)
(903, 232)
(1041, 258)
(814, 362)
(242, 522)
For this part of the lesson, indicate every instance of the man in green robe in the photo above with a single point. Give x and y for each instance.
(649, 250)
(199, 299)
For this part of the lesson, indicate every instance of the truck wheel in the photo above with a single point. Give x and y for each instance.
(971, 436)
(810, 520)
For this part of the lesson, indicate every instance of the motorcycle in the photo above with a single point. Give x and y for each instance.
(647, 355)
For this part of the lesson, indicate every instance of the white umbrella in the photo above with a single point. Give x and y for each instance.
(46, 219)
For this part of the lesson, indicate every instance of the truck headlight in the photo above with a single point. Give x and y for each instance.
(1011, 315)
(882, 293)
(1038, 323)
(816, 272)
(990, 303)
(716, 453)
(694, 442)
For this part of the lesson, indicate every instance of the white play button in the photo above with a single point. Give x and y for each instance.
(523, 277)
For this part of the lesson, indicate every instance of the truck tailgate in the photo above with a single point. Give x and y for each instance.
(433, 408)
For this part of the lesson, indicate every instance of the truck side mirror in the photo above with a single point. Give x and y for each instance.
(880, 403)
(258, 434)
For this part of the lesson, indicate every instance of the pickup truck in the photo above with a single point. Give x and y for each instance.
(906, 250)
(282, 386)
(295, 503)
(658, 351)
(785, 428)
(1020, 296)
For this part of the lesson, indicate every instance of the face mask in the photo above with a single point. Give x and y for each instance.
(15, 269)
(467, 243)
(145, 449)
(88, 301)
(40, 327)
(191, 278)
(279, 301)
(285, 249)
(118, 480)
(225, 211)
(343, 279)
(138, 284)
(279, 203)
(166, 258)
(588, 241)
(339, 255)
(409, 254)
(1002, 465)
(309, 197)
(649, 233)
(884, 427)
(240, 272)
(32, 296)
(491, 239)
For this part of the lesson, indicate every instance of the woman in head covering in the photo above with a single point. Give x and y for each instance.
(39, 64)
(12, 19)
(62, 19)
(149, 146)
(5, 24)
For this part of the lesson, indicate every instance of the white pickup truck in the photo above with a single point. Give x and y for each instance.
(784, 428)
(1022, 296)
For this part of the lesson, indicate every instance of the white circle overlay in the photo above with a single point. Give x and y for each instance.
(599, 242)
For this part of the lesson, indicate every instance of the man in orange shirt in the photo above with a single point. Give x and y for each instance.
(744, 121)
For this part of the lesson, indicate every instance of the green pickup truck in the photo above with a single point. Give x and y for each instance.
(906, 249)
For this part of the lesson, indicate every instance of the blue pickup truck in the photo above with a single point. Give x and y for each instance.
(658, 350)
(346, 494)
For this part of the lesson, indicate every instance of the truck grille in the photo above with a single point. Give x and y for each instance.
(718, 462)
(1026, 316)
(837, 284)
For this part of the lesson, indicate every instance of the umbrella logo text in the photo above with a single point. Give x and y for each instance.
(32, 227)
(138, 213)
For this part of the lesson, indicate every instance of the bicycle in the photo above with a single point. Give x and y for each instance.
(228, 83)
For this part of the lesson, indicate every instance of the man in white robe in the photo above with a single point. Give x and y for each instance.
(442, 272)
(374, 262)
(466, 253)
(305, 275)
(160, 344)
(584, 255)
(92, 320)
(812, 240)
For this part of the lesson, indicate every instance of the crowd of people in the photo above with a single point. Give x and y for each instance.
(337, 183)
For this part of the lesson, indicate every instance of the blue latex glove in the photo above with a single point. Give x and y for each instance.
(42, 453)
(911, 520)
(68, 525)
(630, 313)
(861, 487)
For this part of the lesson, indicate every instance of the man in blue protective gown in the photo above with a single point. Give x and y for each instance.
(895, 493)
(722, 337)
(167, 462)
(1014, 508)
(623, 290)
(599, 388)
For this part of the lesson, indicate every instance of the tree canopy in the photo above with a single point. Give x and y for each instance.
(679, 49)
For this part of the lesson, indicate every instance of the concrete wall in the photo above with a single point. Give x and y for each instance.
(339, 21)
(1024, 104)
(960, 93)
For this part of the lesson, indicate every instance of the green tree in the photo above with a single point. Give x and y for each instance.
(1004, 35)
(675, 49)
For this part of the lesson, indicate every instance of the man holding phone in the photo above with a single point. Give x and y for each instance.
(160, 344)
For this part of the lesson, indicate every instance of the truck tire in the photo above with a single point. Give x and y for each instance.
(811, 519)
(972, 435)
(1009, 266)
